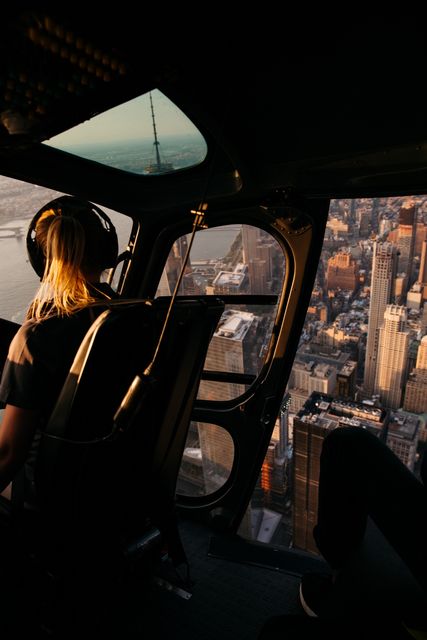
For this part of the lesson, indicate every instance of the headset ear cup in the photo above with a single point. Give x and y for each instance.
(34, 251)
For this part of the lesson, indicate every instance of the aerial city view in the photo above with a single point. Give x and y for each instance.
(362, 355)
(361, 360)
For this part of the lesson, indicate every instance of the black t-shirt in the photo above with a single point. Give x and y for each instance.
(39, 358)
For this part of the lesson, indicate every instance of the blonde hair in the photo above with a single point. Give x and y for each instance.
(64, 288)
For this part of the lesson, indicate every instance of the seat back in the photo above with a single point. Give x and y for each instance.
(92, 487)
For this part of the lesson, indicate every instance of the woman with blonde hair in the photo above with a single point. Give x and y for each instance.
(70, 242)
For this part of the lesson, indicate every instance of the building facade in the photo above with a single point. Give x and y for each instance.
(384, 267)
(393, 345)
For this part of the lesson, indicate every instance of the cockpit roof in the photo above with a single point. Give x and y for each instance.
(327, 111)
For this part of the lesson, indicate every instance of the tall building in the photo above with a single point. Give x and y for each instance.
(320, 415)
(393, 345)
(422, 276)
(406, 238)
(423, 318)
(250, 237)
(229, 282)
(402, 437)
(342, 272)
(422, 354)
(416, 387)
(415, 296)
(423, 262)
(257, 270)
(363, 217)
(346, 381)
(420, 236)
(339, 228)
(416, 392)
(272, 477)
(233, 348)
(384, 266)
(258, 254)
(307, 377)
(174, 265)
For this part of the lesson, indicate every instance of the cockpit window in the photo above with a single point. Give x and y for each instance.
(148, 135)
(18, 281)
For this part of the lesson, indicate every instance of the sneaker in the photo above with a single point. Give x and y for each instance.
(314, 592)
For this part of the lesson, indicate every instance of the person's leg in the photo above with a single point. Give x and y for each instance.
(360, 476)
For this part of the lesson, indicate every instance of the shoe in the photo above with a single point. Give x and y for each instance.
(314, 591)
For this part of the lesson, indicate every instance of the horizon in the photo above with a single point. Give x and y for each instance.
(127, 120)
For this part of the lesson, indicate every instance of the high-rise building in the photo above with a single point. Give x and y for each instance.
(406, 238)
(416, 387)
(422, 354)
(233, 348)
(364, 219)
(384, 266)
(229, 282)
(250, 237)
(422, 276)
(415, 296)
(307, 377)
(416, 391)
(257, 270)
(423, 318)
(420, 237)
(393, 344)
(339, 228)
(258, 255)
(320, 415)
(174, 265)
(272, 477)
(402, 437)
(346, 381)
(342, 272)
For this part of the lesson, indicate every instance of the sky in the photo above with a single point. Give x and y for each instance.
(129, 121)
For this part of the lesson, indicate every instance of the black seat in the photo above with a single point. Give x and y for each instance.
(105, 479)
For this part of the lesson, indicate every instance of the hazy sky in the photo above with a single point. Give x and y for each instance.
(131, 120)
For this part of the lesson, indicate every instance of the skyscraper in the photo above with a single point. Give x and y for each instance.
(342, 272)
(416, 388)
(406, 238)
(320, 415)
(422, 277)
(422, 354)
(233, 348)
(393, 344)
(384, 267)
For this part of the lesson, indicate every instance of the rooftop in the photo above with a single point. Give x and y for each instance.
(234, 324)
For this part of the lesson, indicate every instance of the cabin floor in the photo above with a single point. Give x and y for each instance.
(236, 587)
(230, 598)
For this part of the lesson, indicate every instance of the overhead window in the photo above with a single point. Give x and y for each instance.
(148, 135)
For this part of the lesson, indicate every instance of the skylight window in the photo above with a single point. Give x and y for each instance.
(148, 135)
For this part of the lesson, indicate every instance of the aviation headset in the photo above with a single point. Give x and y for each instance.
(107, 243)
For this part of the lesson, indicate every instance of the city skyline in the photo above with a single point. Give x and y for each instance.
(359, 346)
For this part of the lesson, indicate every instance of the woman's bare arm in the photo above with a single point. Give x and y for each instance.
(16, 434)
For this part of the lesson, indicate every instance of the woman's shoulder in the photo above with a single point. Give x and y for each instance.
(34, 332)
